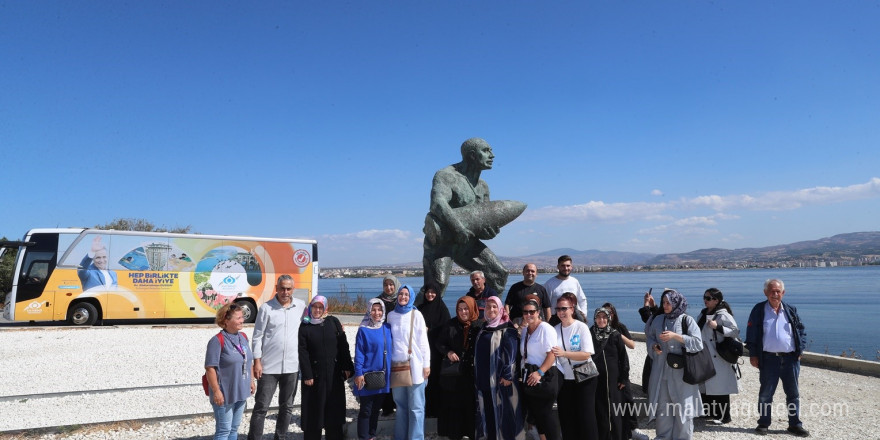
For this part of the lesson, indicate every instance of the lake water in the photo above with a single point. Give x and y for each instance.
(839, 306)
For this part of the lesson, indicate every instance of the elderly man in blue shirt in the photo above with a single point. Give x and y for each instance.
(276, 357)
(776, 339)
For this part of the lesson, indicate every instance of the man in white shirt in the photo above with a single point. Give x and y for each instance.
(564, 282)
(276, 357)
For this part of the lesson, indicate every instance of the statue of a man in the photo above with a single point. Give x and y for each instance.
(461, 215)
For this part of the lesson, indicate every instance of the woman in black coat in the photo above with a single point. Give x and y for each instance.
(325, 363)
(613, 365)
(457, 412)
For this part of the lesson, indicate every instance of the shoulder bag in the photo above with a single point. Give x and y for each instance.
(548, 386)
(698, 367)
(730, 349)
(375, 380)
(583, 371)
(401, 373)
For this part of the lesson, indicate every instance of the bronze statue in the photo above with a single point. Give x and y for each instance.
(461, 215)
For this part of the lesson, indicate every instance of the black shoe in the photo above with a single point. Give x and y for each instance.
(798, 431)
(721, 421)
(761, 430)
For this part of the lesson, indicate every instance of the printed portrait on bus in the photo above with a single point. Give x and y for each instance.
(94, 268)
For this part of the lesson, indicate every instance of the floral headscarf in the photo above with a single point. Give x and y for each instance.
(678, 302)
(502, 313)
(307, 315)
(602, 333)
(368, 317)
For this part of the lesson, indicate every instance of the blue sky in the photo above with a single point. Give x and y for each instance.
(645, 126)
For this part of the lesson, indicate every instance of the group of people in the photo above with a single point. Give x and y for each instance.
(775, 339)
(492, 371)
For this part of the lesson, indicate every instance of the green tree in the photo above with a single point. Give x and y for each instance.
(143, 225)
(6, 266)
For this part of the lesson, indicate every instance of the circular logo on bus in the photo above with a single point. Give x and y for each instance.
(302, 258)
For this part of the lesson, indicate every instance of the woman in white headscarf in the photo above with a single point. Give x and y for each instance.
(372, 352)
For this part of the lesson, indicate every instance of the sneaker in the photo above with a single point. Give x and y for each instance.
(761, 430)
(639, 435)
(798, 431)
(721, 421)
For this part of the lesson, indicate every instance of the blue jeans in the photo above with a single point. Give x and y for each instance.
(773, 368)
(265, 390)
(410, 420)
(227, 418)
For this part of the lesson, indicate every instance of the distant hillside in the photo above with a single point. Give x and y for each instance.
(843, 247)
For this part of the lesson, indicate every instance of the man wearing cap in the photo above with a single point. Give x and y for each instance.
(276, 357)
(776, 338)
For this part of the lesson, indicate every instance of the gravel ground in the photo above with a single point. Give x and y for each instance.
(53, 360)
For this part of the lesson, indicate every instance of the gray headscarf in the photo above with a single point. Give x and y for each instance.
(368, 319)
(393, 296)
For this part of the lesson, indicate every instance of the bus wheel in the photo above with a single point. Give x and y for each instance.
(248, 311)
(82, 313)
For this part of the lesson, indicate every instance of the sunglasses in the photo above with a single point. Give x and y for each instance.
(708, 298)
(562, 309)
(530, 312)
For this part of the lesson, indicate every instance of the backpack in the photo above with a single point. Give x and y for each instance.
(205, 385)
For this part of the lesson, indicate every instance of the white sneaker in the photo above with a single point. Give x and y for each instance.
(639, 435)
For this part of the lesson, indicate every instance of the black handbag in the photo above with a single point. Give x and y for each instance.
(449, 368)
(547, 388)
(730, 349)
(698, 367)
(375, 380)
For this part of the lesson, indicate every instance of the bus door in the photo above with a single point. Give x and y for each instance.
(34, 295)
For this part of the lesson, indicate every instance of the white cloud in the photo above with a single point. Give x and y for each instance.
(788, 200)
(623, 212)
(385, 245)
(597, 211)
(656, 192)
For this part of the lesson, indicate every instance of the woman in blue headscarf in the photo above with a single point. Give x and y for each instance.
(408, 324)
(676, 403)
(324, 364)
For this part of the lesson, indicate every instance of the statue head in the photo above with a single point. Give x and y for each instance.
(477, 152)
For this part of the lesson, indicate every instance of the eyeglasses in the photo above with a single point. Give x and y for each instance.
(708, 298)
(530, 312)
(562, 309)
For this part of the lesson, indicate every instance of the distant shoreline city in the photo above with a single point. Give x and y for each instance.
(844, 250)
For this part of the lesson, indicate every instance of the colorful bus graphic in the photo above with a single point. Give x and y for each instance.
(86, 275)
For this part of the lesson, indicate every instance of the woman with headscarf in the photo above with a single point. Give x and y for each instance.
(676, 402)
(407, 324)
(717, 323)
(372, 352)
(324, 363)
(613, 365)
(390, 286)
(538, 369)
(630, 421)
(455, 418)
(436, 315)
(499, 409)
(574, 346)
